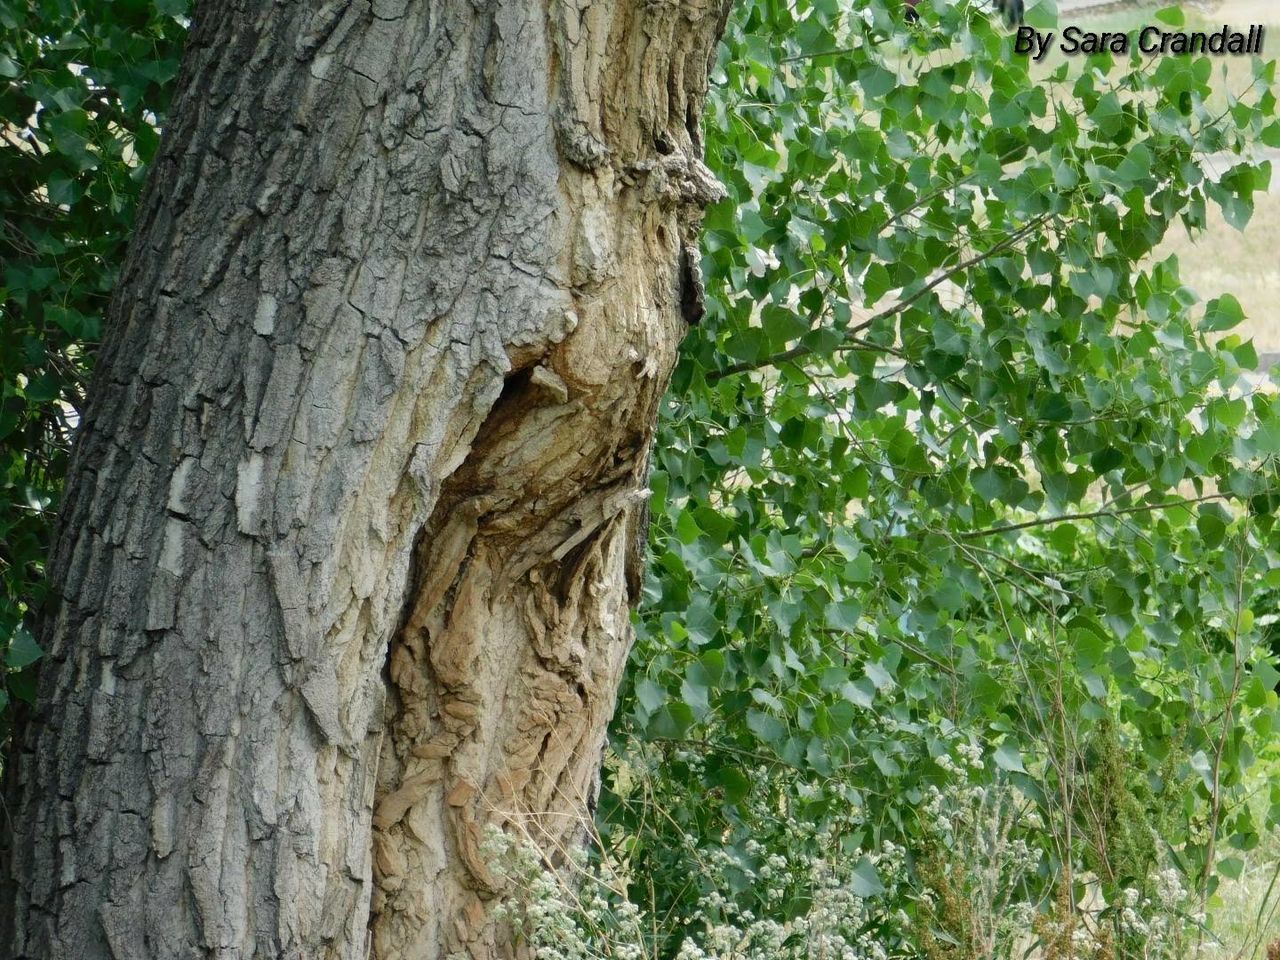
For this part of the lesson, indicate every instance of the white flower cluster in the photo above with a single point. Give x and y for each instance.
(972, 755)
(1162, 921)
(978, 834)
(1131, 921)
(1169, 889)
(833, 928)
(970, 760)
(589, 920)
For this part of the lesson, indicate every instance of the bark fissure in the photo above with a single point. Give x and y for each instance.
(355, 517)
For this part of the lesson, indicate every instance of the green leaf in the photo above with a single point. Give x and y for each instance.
(1009, 758)
(23, 650)
(651, 695)
(1212, 526)
(861, 693)
(864, 881)
(735, 784)
(672, 721)
(881, 678)
(1224, 313)
(1231, 867)
(765, 726)
(695, 697)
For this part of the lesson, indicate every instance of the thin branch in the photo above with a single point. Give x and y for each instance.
(798, 351)
(1092, 515)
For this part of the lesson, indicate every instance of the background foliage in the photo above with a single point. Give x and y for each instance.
(954, 466)
(964, 567)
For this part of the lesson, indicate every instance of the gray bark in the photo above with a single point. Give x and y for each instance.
(346, 548)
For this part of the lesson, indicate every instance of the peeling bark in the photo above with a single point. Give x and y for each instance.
(349, 540)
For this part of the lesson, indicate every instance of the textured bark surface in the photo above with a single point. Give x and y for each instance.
(356, 514)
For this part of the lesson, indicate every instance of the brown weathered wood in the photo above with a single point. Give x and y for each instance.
(346, 543)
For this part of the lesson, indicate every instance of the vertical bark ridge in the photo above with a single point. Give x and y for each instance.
(407, 279)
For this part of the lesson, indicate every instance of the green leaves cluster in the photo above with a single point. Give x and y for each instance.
(82, 87)
(954, 459)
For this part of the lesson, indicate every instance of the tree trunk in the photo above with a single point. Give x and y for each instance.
(356, 515)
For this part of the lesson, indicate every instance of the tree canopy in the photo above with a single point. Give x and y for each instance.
(954, 461)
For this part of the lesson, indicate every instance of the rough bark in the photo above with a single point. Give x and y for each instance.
(355, 516)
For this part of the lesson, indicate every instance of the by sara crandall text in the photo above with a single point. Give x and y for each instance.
(1152, 40)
